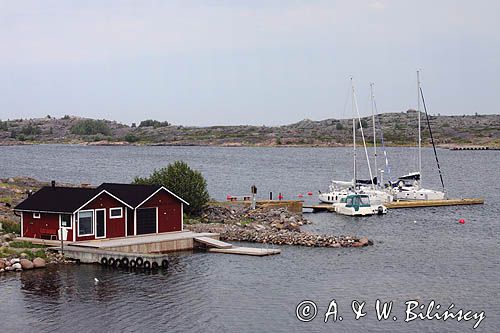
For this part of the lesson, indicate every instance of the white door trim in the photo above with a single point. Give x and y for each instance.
(105, 220)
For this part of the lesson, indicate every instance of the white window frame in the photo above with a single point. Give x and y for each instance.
(116, 217)
(37, 215)
(93, 223)
(70, 221)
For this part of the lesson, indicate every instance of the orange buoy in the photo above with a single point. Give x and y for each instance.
(461, 221)
(228, 197)
(300, 195)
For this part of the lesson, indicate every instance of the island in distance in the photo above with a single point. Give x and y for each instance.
(398, 129)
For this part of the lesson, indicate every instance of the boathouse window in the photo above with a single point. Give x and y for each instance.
(36, 215)
(85, 223)
(116, 213)
(65, 221)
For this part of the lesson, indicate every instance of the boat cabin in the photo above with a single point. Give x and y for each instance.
(357, 200)
(108, 211)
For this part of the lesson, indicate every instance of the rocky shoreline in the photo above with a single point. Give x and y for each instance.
(16, 259)
(269, 226)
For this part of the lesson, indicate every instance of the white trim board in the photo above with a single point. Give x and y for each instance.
(97, 195)
(158, 190)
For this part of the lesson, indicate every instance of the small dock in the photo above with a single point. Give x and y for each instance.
(434, 203)
(320, 208)
(217, 246)
(407, 204)
(473, 148)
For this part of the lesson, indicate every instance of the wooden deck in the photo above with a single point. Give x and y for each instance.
(142, 239)
(151, 244)
(408, 204)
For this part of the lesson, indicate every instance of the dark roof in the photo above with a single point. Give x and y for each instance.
(69, 199)
(57, 199)
(131, 194)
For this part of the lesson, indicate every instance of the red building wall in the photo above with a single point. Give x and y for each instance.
(114, 227)
(48, 223)
(169, 211)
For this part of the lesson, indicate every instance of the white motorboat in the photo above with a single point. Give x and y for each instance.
(358, 205)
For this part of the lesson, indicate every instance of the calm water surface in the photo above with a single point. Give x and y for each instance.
(419, 254)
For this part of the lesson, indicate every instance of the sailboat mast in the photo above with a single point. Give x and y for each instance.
(419, 130)
(353, 133)
(362, 135)
(374, 131)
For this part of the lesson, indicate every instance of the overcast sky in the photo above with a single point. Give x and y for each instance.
(245, 62)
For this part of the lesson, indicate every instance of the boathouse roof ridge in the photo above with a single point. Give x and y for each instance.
(132, 194)
(135, 194)
(57, 199)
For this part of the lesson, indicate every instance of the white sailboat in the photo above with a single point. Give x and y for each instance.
(339, 190)
(342, 197)
(376, 193)
(409, 187)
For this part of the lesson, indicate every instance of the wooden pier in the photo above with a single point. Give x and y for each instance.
(407, 204)
(434, 203)
(150, 248)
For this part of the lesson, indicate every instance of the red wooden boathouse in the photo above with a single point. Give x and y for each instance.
(108, 211)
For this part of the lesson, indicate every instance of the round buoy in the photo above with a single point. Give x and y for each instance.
(147, 264)
(111, 261)
(461, 221)
(139, 261)
(104, 261)
(164, 263)
(125, 262)
(228, 197)
(309, 193)
(300, 195)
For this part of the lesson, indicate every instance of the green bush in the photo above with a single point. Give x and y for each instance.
(154, 123)
(4, 126)
(339, 127)
(187, 183)
(91, 127)
(131, 137)
(11, 227)
(30, 130)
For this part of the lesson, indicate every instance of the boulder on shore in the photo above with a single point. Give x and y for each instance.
(26, 264)
(39, 263)
(2, 264)
(17, 266)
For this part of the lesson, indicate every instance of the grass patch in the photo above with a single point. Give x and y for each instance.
(25, 245)
(246, 221)
(11, 227)
(6, 200)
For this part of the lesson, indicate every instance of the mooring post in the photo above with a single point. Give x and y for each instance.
(271, 196)
(254, 193)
